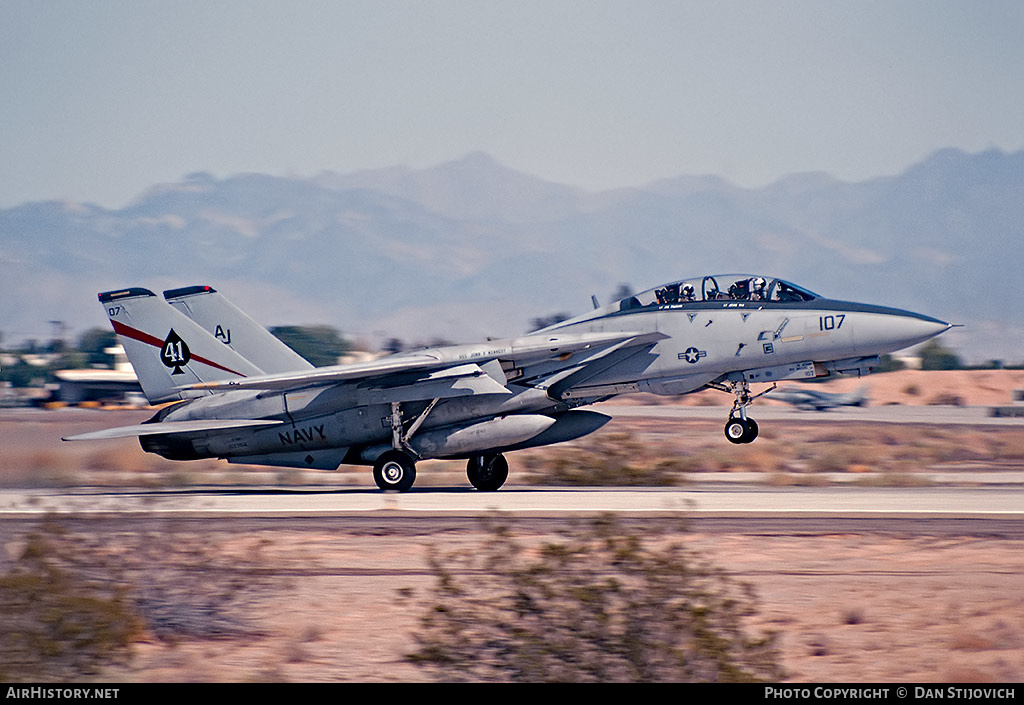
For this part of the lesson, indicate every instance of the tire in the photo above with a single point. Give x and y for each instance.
(394, 471)
(737, 430)
(751, 431)
(487, 473)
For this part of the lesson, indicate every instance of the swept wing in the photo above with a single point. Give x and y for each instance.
(457, 360)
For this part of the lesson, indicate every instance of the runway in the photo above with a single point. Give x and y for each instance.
(813, 507)
(739, 498)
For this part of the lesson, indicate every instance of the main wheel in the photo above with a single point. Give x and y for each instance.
(487, 472)
(394, 471)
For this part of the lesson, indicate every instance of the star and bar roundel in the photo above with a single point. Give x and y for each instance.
(692, 355)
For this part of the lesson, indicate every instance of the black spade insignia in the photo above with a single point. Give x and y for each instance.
(175, 353)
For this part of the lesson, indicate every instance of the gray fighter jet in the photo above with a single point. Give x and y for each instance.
(817, 400)
(244, 396)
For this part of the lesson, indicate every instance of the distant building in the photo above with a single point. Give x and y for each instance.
(115, 386)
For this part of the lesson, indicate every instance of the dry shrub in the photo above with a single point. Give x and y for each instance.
(789, 479)
(73, 604)
(973, 445)
(755, 457)
(853, 615)
(894, 435)
(601, 604)
(119, 459)
(892, 478)
(610, 459)
(839, 435)
(836, 459)
(60, 620)
(945, 399)
(46, 468)
(1010, 446)
(920, 451)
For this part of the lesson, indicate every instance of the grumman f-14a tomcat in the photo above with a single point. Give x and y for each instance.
(244, 396)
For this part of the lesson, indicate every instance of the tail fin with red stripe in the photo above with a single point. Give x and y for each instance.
(233, 327)
(167, 349)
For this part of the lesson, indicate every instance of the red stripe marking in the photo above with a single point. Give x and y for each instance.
(129, 332)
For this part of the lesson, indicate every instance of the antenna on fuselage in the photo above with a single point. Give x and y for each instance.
(593, 300)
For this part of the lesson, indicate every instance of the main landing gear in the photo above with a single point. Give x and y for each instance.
(740, 429)
(487, 472)
(395, 469)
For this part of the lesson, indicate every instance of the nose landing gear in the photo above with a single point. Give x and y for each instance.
(740, 429)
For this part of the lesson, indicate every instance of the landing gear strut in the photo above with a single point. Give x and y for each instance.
(740, 429)
(487, 472)
(395, 470)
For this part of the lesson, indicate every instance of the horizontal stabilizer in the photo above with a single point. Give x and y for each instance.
(153, 429)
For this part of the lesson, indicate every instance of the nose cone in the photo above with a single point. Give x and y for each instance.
(894, 330)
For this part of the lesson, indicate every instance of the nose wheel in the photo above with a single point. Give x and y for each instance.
(741, 430)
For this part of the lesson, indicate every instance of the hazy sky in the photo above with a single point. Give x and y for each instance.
(101, 99)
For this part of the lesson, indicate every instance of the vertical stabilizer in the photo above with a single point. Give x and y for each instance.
(233, 327)
(168, 350)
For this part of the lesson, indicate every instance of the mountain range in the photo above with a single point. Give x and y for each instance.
(470, 248)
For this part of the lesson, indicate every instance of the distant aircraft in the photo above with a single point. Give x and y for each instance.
(246, 397)
(816, 400)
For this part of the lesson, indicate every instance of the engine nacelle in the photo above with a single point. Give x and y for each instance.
(468, 439)
(171, 446)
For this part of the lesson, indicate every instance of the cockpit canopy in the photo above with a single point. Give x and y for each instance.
(719, 287)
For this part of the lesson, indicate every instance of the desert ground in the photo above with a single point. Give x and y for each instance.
(909, 388)
(341, 600)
